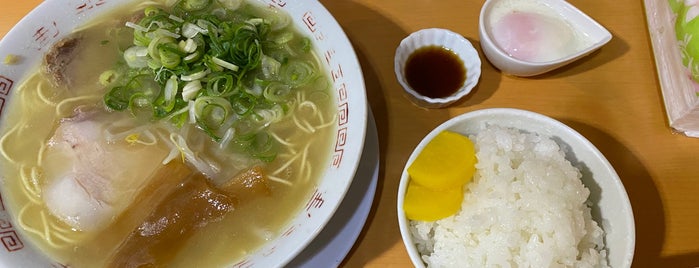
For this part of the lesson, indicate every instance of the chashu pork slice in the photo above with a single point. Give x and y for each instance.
(91, 181)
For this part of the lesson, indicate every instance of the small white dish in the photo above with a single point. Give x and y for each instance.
(531, 37)
(610, 204)
(449, 40)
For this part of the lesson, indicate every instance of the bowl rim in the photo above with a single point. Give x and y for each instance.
(515, 117)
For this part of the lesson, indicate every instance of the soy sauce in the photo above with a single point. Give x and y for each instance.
(435, 71)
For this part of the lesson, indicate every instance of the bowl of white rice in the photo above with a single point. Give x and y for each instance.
(542, 196)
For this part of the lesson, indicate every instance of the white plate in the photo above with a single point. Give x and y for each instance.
(331, 246)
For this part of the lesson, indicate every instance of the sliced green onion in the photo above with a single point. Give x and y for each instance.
(255, 21)
(171, 87)
(277, 20)
(108, 77)
(176, 18)
(225, 64)
(191, 57)
(194, 5)
(191, 90)
(270, 67)
(117, 99)
(220, 85)
(166, 103)
(120, 98)
(211, 113)
(157, 24)
(219, 12)
(269, 116)
(165, 32)
(195, 76)
(298, 73)
(232, 74)
(283, 38)
(243, 104)
(307, 45)
(263, 147)
(230, 4)
(136, 27)
(255, 91)
(151, 11)
(188, 46)
(192, 113)
(259, 145)
(169, 55)
(153, 47)
(141, 38)
(162, 74)
(276, 92)
(206, 25)
(139, 100)
(227, 137)
(191, 30)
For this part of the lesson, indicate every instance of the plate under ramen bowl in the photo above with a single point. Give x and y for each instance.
(55, 19)
(609, 201)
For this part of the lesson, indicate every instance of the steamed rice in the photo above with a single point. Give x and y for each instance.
(526, 207)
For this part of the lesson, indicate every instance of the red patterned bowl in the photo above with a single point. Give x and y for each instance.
(54, 19)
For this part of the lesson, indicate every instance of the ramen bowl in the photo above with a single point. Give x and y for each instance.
(532, 37)
(608, 200)
(53, 20)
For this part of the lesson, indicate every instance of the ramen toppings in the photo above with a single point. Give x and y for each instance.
(189, 67)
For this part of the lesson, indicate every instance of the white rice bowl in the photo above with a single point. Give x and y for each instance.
(528, 204)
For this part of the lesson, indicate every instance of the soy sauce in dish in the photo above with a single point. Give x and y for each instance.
(435, 71)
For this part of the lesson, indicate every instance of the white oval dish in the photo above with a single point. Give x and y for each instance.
(609, 198)
(441, 38)
(585, 29)
(55, 19)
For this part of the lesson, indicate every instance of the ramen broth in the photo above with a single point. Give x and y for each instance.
(30, 168)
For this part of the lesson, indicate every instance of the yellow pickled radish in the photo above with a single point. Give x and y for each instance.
(424, 204)
(448, 161)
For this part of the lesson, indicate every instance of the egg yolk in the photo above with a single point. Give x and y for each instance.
(534, 37)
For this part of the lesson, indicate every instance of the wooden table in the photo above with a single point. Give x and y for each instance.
(612, 97)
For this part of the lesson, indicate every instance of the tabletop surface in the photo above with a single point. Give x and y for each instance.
(612, 97)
